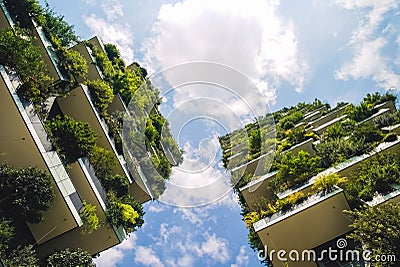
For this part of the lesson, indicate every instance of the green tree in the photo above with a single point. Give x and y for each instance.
(25, 192)
(22, 257)
(74, 139)
(89, 218)
(56, 26)
(6, 234)
(124, 211)
(103, 161)
(378, 229)
(295, 169)
(18, 52)
(102, 95)
(70, 258)
(255, 141)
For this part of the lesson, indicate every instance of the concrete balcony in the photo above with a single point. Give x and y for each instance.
(49, 54)
(78, 105)
(94, 72)
(6, 21)
(305, 226)
(24, 143)
(326, 118)
(91, 190)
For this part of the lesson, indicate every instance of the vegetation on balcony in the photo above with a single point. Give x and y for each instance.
(101, 94)
(124, 211)
(336, 147)
(22, 256)
(89, 218)
(25, 193)
(57, 31)
(295, 169)
(67, 257)
(18, 52)
(378, 229)
(72, 139)
(373, 176)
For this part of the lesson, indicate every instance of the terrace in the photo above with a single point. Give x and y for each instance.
(24, 143)
(78, 105)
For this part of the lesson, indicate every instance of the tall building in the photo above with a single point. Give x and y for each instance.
(287, 199)
(26, 141)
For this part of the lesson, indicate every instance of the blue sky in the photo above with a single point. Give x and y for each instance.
(292, 50)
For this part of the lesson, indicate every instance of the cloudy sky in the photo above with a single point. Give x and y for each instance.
(291, 50)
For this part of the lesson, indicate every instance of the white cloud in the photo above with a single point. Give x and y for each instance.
(113, 256)
(113, 10)
(113, 32)
(372, 13)
(365, 63)
(242, 259)
(248, 37)
(147, 256)
(368, 44)
(214, 248)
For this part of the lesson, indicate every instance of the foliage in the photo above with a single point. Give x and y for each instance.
(373, 175)
(102, 62)
(326, 182)
(71, 61)
(387, 120)
(89, 218)
(378, 229)
(114, 55)
(22, 257)
(73, 139)
(296, 136)
(116, 183)
(25, 192)
(295, 169)
(101, 94)
(255, 141)
(56, 26)
(102, 160)
(390, 137)
(366, 132)
(70, 258)
(124, 211)
(334, 151)
(377, 98)
(359, 112)
(6, 234)
(291, 120)
(114, 123)
(18, 52)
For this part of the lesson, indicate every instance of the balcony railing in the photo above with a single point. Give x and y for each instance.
(309, 202)
(40, 138)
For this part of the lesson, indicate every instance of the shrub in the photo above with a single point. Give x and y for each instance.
(295, 169)
(360, 112)
(73, 139)
(18, 52)
(25, 192)
(116, 183)
(6, 234)
(255, 142)
(326, 183)
(22, 257)
(374, 175)
(366, 132)
(291, 120)
(124, 211)
(89, 218)
(103, 161)
(101, 94)
(378, 230)
(390, 137)
(67, 257)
